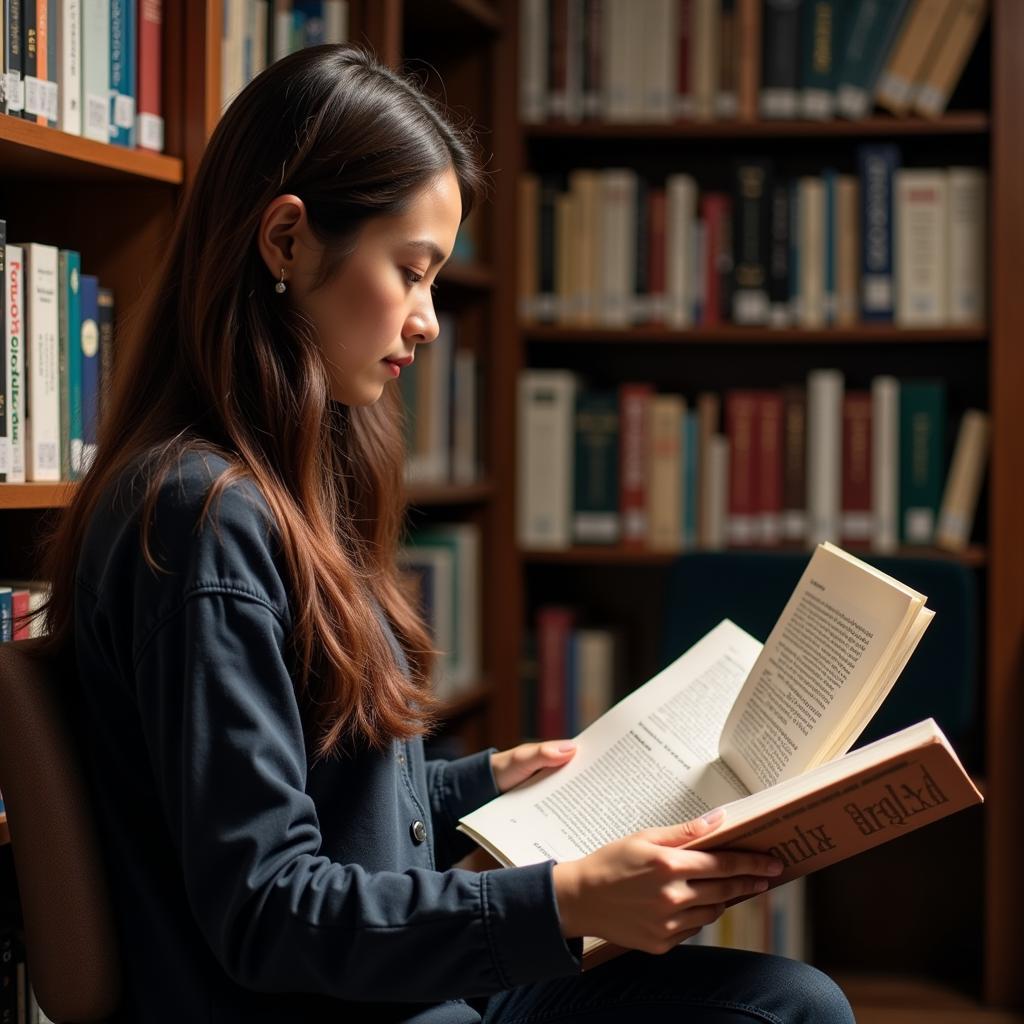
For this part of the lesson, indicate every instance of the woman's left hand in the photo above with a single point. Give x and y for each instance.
(513, 766)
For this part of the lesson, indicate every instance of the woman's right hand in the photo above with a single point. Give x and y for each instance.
(643, 892)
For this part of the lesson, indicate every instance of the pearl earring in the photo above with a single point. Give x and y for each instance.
(281, 287)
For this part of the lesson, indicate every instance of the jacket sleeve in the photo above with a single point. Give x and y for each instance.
(223, 729)
(456, 788)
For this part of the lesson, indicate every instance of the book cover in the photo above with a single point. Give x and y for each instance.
(596, 468)
(5, 369)
(69, 275)
(634, 447)
(856, 473)
(69, 45)
(922, 454)
(89, 339)
(14, 360)
(949, 58)
(819, 37)
(885, 463)
(922, 252)
(150, 122)
(877, 169)
(665, 473)
(872, 31)
(96, 69)
(14, 83)
(751, 238)
(780, 59)
(105, 302)
(43, 412)
(963, 484)
(122, 72)
(926, 22)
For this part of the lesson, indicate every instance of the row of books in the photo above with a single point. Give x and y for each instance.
(18, 601)
(800, 465)
(664, 60)
(17, 999)
(442, 566)
(87, 67)
(439, 393)
(255, 33)
(610, 248)
(56, 336)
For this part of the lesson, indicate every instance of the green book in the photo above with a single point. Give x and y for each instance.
(922, 452)
(595, 517)
(872, 30)
(821, 22)
(70, 328)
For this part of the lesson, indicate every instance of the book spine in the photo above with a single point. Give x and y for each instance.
(922, 256)
(558, 41)
(529, 246)
(665, 473)
(546, 407)
(620, 189)
(19, 614)
(691, 478)
(122, 72)
(89, 343)
(751, 234)
(546, 303)
(824, 455)
(926, 22)
(769, 466)
(105, 302)
(740, 428)
(565, 264)
(748, 28)
(6, 615)
(71, 315)
(714, 209)
(794, 464)
(657, 217)
(554, 631)
(949, 58)
(592, 46)
(779, 270)
(963, 485)
(43, 432)
(150, 123)
(596, 658)
(727, 95)
(872, 32)
(5, 369)
(780, 59)
(878, 164)
(596, 486)
(51, 86)
(967, 234)
(704, 58)
(681, 213)
(819, 37)
(70, 46)
(885, 463)
(847, 250)
(634, 440)
(14, 358)
(96, 69)
(856, 473)
(465, 417)
(639, 306)
(811, 196)
(708, 413)
(684, 100)
(30, 60)
(14, 82)
(574, 58)
(830, 180)
(922, 448)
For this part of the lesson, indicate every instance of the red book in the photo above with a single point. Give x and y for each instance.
(634, 452)
(714, 210)
(741, 415)
(856, 506)
(554, 630)
(150, 127)
(769, 466)
(19, 611)
(657, 255)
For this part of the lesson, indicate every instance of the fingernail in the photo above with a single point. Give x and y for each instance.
(777, 868)
(564, 748)
(713, 817)
(761, 886)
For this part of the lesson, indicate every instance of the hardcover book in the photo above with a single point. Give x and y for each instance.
(763, 731)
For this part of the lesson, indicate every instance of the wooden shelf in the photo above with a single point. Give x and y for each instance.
(441, 495)
(466, 703)
(957, 123)
(729, 334)
(28, 149)
(35, 495)
(469, 276)
(973, 557)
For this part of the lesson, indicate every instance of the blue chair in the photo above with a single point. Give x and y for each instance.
(751, 588)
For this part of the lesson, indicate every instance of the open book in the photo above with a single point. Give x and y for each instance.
(761, 730)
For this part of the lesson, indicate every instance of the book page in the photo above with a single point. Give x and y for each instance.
(651, 760)
(843, 634)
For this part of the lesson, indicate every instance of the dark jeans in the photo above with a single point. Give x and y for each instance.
(690, 985)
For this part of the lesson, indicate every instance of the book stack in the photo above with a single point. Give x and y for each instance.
(767, 467)
(611, 248)
(87, 67)
(19, 601)
(57, 340)
(650, 61)
(258, 32)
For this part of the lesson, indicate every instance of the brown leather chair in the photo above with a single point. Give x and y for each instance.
(69, 934)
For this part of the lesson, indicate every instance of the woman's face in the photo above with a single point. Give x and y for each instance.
(377, 306)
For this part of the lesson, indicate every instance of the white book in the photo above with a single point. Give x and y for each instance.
(681, 217)
(96, 69)
(921, 254)
(811, 219)
(69, 47)
(533, 61)
(546, 438)
(43, 433)
(662, 60)
(335, 21)
(824, 455)
(967, 272)
(885, 463)
(595, 666)
(618, 249)
(963, 485)
(14, 363)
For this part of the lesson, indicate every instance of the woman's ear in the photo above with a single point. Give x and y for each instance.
(283, 227)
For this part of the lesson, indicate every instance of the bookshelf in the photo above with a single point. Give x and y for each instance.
(984, 924)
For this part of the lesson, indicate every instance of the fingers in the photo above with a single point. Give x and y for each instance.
(686, 831)
(714, 891)
(722, 863)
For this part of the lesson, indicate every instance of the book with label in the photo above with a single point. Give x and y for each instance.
(762, 730)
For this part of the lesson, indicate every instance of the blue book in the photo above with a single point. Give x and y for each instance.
(877, 166)
(314, 29)
(691, 468)
(122, 72)
(6, 615)
(69, 307)
(89, 349)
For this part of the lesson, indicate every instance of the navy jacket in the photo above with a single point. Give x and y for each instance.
(249, 884)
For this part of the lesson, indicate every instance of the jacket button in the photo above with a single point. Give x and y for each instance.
(418, 831)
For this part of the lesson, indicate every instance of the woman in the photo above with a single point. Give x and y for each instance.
(254, 682)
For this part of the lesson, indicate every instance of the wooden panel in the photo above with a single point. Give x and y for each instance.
(1005, 770)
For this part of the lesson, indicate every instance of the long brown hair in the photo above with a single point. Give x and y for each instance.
(215, 361)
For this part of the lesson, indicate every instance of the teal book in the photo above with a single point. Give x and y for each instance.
(872, 31)
(596, 476)
(122, 72)
(819, 36)
(922, 454)
(70, 328)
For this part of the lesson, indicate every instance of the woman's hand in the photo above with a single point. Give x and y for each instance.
(643, 892)
(510, 767)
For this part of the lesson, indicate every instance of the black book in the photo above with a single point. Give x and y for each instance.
(751, 220)
(29, 56)
(779, 269)
(779, 96)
